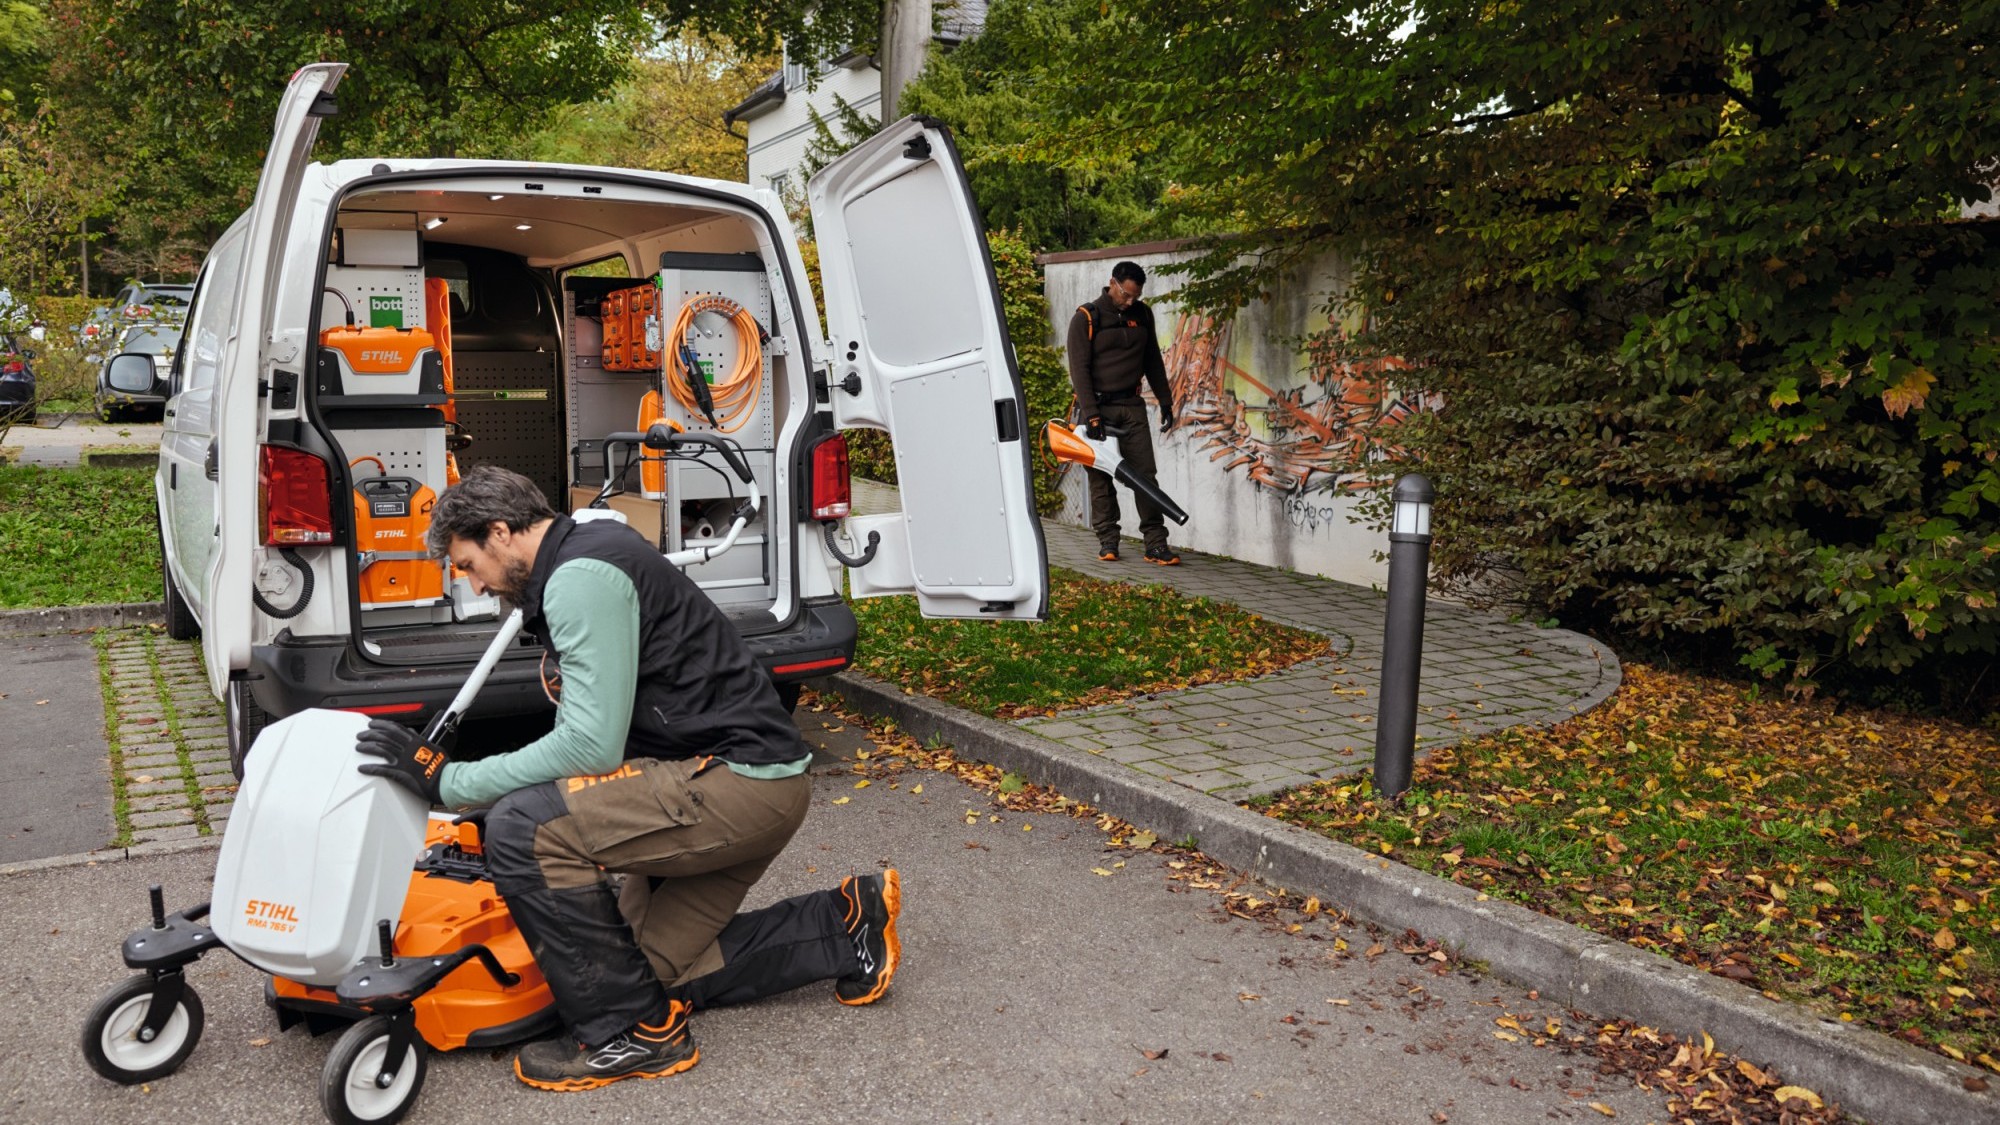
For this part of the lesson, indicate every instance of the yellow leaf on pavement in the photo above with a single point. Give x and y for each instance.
(1784, 1094)
(1604, 1109)
(842, 800)
(1099, 871)
(861, 784)
(916, 789)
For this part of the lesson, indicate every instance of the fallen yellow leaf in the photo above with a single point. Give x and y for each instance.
(842, 800)
(1944, 938)
(1604, 1109)
(1784, 1094)
(1099, 871)
(863, 784)
(916, 789)
(1507, 1035)
(1826, 888)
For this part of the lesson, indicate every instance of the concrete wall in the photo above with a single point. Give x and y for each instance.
(1264, 422)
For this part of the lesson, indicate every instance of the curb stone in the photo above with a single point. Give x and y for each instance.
(1868, 1073)
(75, 618)
(113, 855)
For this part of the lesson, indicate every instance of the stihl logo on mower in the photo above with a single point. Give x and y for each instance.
(271, 915)
(394, 358)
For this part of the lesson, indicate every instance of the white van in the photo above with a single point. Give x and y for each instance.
(371, 327)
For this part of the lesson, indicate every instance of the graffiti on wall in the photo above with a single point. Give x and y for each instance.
(1284, 433)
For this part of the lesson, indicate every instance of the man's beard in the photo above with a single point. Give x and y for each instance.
(509, 588)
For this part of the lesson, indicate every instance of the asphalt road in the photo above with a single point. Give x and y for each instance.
(1032, 990)
(57, 798)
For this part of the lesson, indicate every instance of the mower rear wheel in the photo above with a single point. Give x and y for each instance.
(114, 1042)
(351, 1088)
(243, 722)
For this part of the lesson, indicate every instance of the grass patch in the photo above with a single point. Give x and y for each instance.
(1845, 860)
(77, 536)
(1103, 642)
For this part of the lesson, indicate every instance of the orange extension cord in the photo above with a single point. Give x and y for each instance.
(735, 397)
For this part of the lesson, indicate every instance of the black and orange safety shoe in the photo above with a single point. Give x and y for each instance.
(1108, 554)
(873, 902)
(646, 1051)
(1162, 555)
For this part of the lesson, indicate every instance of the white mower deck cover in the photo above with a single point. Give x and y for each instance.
(316, 852)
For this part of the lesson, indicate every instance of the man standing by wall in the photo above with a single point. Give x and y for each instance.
(1112, 344)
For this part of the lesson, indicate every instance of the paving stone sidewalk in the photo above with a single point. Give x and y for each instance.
(169, 753)
(1481, 673)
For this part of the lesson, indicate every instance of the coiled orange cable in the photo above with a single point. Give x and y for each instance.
(734, 397)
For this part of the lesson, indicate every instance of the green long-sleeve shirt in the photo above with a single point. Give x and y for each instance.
(592, 612)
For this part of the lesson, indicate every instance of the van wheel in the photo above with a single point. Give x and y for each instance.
(182, 624)
(245, 722)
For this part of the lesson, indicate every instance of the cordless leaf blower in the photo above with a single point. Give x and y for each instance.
(315, 886)
(1079, 448)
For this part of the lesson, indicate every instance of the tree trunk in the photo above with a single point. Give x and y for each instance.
(906, 40)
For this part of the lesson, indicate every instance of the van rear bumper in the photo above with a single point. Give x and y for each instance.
(293, 674)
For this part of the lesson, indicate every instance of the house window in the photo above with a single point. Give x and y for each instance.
(780, 183)
(795, 74)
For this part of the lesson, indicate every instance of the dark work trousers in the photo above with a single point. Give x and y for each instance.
(1136, 446)
(692, 837)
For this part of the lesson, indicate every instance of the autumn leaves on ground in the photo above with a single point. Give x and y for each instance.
(1842, 859)
(1845, 860)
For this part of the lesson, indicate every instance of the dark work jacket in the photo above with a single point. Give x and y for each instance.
(1110, 350)
(699, 691)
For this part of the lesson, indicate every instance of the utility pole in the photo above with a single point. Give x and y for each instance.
(906, 40)
(83, 251)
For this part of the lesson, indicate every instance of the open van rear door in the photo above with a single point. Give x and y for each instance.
(245, 353)
(920, 349)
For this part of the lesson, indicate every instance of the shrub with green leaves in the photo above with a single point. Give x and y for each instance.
(1717, 358)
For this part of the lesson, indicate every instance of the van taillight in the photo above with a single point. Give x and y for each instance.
(294, 498)
(832, 491)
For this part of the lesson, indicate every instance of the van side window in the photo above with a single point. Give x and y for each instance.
(457, 279)
(209, 320)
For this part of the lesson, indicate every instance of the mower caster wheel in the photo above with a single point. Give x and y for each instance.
(115, 1042)
(353, 1089)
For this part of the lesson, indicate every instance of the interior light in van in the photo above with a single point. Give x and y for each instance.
(496, 197)
(524, 226)
(434, 222)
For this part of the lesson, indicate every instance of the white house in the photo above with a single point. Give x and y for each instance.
(777, 117)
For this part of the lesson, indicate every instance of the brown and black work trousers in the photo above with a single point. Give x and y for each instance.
(691, 837)
(1135, 445)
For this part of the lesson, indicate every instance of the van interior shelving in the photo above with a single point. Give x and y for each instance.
(476, 321)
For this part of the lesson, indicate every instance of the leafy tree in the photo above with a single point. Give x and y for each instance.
(666, 116)
(1719, 363)
(991, 90)
(23, 51)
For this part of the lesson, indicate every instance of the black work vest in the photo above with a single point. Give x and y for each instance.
(699, 690)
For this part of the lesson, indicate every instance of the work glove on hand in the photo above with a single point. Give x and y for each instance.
(1094, 428)
(407, 759)
(1166, 418)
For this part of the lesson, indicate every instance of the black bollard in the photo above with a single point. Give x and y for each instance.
(1403, 634)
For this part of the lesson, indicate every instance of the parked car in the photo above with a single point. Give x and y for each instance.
(135, 303)
(17, 380)
(158, 342)
(368, 317)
